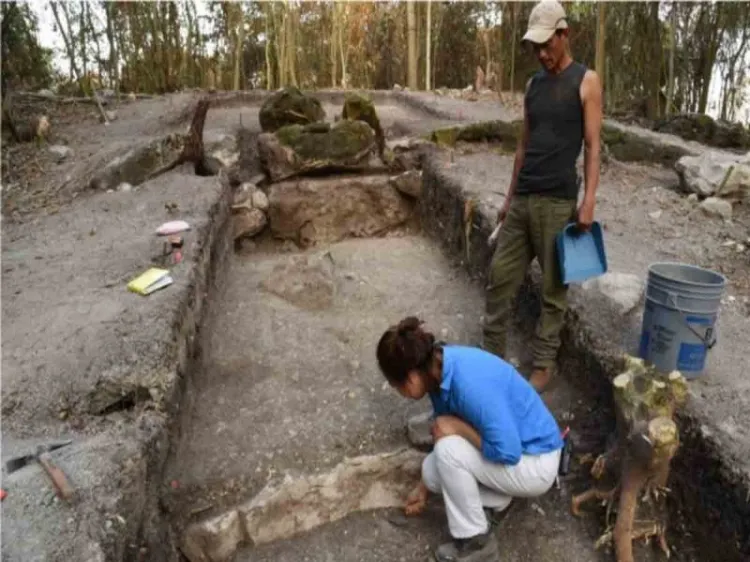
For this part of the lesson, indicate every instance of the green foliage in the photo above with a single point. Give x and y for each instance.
(25, 64)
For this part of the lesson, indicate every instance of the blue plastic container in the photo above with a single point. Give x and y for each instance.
(581, 254)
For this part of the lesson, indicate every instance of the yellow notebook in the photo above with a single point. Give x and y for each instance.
(151, 280)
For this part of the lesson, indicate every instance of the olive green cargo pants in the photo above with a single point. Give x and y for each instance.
(529, 230)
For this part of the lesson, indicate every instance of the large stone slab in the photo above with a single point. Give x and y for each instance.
(296, 505)
(297, 150)
(136, 164)
(330, 209)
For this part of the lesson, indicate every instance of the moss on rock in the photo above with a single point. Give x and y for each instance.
(504, 132)
(359, 107)
(344, 141)
(299, 149)
(288, 107)
(446, 137)
(629, 147)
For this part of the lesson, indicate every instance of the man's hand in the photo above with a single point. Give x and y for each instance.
(585, 216)
(416, 501)
(503, 212)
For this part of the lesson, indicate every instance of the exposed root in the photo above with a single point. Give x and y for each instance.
(591, 494)
(647, 440)
(645, 531)
(599, 467)
(193, 150)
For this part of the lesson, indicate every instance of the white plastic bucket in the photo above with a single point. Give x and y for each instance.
(679, 321)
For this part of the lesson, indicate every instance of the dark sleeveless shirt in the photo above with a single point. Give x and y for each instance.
(555, 114)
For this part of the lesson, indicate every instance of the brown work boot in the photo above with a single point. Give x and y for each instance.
(540, 378)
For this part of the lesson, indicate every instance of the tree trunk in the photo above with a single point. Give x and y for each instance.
(487, 53)
(114, 63)
(67, 37)
(269, 66)
(672, 46)
(82, 39)
(435, 50)
(717, 32)
(601, 30)
(239, 31)
(411, 31)
(334, 45)
(343, 24)
(193, 150)
(514, 26)
(291, 37)
(428, 49)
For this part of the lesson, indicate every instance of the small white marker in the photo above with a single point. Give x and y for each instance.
(493, 236)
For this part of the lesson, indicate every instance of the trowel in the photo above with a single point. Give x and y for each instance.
(63, 489)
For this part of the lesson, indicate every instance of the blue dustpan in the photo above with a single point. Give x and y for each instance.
(581, 254)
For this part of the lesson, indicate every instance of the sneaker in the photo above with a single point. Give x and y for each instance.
(480, 548)
(540, 378)
(496, 516)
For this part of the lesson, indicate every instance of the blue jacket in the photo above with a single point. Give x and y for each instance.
(490, 395)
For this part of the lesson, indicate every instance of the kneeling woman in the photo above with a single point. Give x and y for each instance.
(494, 437)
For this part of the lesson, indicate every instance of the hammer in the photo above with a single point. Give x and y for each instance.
(63, 489)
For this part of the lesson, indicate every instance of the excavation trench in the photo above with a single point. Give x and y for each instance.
(283, 436)
(287, 438)
(288, 431)
(289, 428)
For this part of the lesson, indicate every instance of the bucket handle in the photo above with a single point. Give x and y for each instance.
(709, 340)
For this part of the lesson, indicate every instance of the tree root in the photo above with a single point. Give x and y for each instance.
(591, 494)
(647, 440)
(645, 531)
(193, 151)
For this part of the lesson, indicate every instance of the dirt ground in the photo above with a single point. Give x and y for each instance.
(309, 394)
(288, 383)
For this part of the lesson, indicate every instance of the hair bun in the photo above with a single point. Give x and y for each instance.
(409, 324)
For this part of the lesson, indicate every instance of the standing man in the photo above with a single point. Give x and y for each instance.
(562, 111)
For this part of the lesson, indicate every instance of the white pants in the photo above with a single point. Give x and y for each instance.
(469, 482)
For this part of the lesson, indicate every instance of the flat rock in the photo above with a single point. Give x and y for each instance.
(716, 207)
(419, 430)
(736, 186)
(61, 152)
(222, 147)
(625, 289)
(259, 200)
(408, 183)
(704, 174)
(135, 165)
(304, 281)
(331, 209)
(247, 221)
